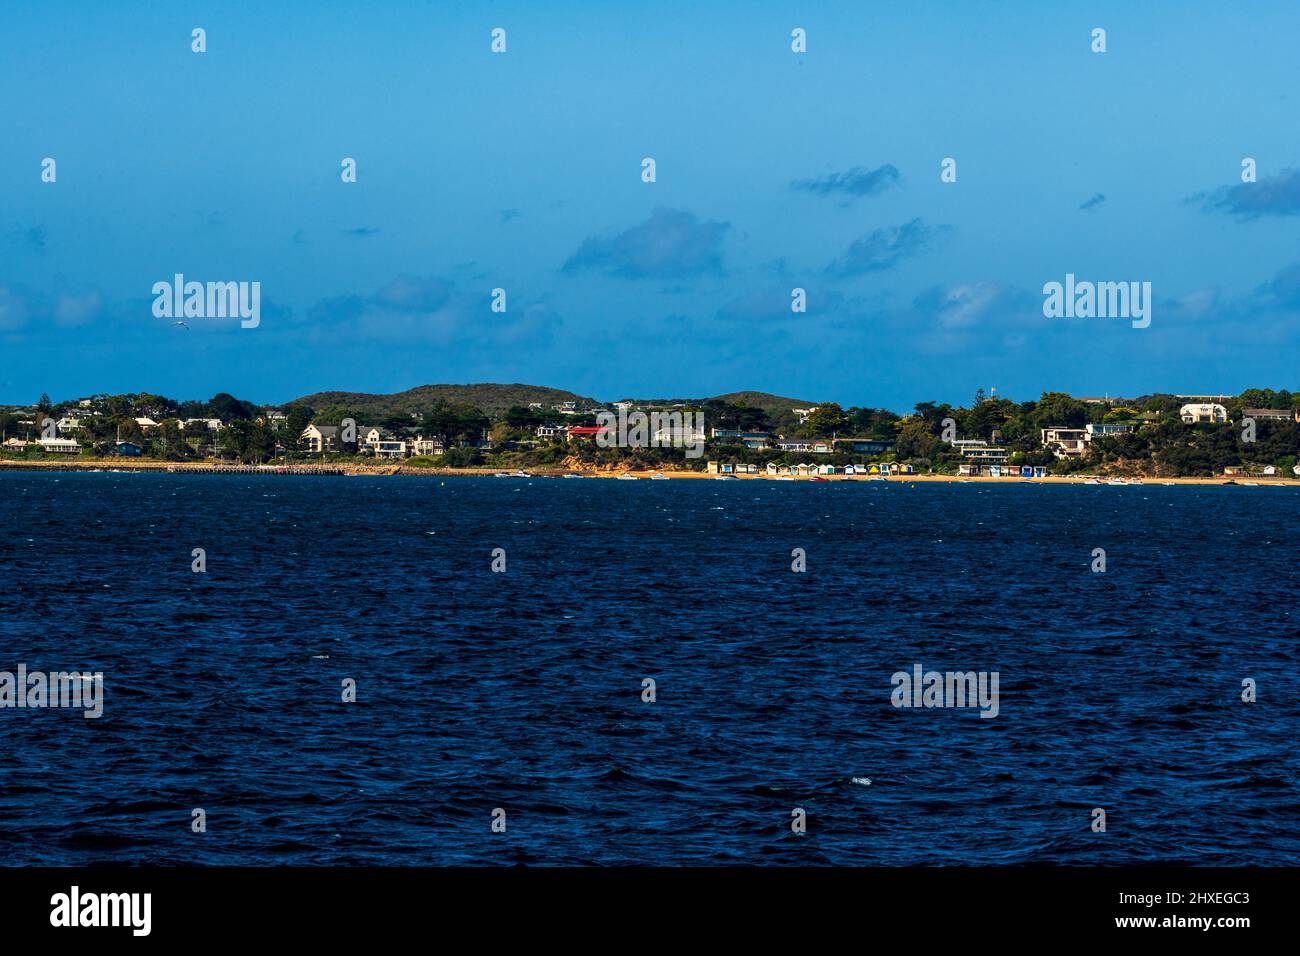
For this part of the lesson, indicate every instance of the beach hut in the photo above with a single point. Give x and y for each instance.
(909, 470)
(849, 471)
(805, 469)
(1026, 471)
(1040, 471)
(995, 471)
(771, 468)
(825, 469)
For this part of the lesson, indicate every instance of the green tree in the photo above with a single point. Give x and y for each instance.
(452, 423)
(914, 440)
(225, 406)
(827, 420)
(296, 421)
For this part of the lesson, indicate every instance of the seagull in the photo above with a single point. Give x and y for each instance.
(179, 322)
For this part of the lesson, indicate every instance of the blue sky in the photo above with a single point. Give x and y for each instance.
(774, 170)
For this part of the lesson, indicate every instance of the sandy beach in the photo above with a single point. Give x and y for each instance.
(354, 468)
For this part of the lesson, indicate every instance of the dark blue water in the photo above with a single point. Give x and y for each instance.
(522, 690)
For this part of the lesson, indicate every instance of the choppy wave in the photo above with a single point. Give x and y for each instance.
(523, 691)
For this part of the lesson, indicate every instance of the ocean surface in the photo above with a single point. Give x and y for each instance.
(522, 690)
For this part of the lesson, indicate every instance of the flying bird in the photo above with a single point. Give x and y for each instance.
(179, 322)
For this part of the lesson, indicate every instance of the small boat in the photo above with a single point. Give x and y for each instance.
(658, 476)
(818, 478)
(784, 478)
(572, 475)
(1250, 484)
(503, 474)
(1092, 481)
(627, 477)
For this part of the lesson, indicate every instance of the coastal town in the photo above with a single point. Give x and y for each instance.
(1253, 435)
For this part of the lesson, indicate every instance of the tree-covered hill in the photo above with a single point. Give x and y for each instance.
(490, 398)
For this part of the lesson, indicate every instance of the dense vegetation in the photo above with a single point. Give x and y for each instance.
(492, 433)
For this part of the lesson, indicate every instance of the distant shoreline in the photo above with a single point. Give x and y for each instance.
(348, 468)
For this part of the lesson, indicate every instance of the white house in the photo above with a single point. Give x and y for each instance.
(1110, 428)
(196, 424)
(318, 438)
(979, 451)
(1199, 412)
(674, 433)
(62, 446)
(1066, 442)
(1270, 414)
(388, 448)
(146, 423)
(794, 444)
